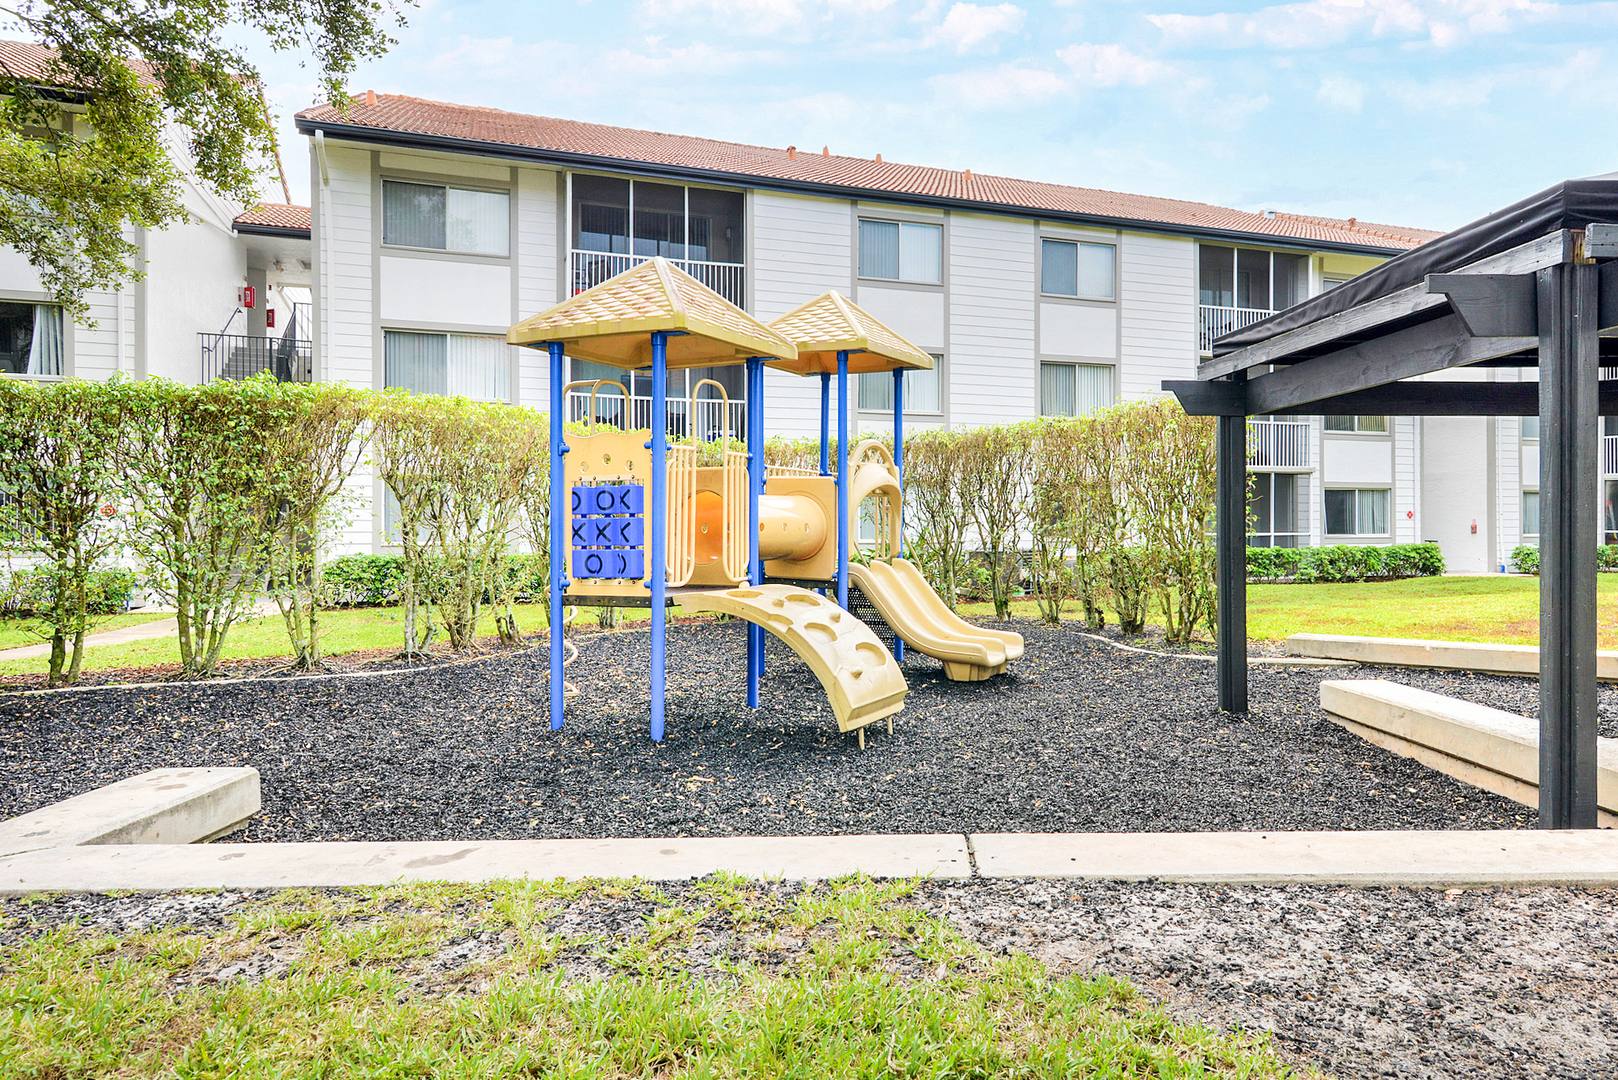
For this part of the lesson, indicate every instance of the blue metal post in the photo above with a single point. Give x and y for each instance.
(842, 478)
(755, 488)
(899, 464)
(657, 565)
(825, 422)
(559, 511)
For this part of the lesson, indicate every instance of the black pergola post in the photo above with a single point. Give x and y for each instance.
(1569, 446)
(1230, 541)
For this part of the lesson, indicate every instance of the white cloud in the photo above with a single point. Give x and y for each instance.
(1113, 65)
(758, 17)
(1341, 92)
(967, 26)
(1312, 24)
(1003, 87)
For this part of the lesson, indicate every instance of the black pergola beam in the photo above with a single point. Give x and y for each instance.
(1491, 305)
(1367, 319)
(1394, 399)
(1569, 350)
(1436, 345)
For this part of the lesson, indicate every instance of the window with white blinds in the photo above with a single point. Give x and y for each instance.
(902, 251)
(1074, 389)
(1078, 269)
(923, 393)
(443, 218)
(463, 364)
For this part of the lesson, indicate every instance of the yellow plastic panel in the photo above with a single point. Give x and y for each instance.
(861, 679)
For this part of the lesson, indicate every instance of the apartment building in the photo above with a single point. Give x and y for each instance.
(435, 226)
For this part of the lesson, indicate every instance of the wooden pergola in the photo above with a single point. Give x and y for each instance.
(1534, 285)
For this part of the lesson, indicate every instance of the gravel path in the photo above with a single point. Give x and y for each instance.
(1360, 982)
(1082, 737)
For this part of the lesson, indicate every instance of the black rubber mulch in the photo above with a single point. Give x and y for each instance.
(1081, 737)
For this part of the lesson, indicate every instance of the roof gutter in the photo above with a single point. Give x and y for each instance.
(421, 141)
(271, 230)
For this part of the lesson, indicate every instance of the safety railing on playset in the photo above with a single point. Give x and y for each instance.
(733, 478)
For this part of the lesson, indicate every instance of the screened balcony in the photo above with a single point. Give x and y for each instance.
(618, 223)
(1236, 287)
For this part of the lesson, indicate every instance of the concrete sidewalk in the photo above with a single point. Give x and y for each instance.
(146, 631)
(1431, 858)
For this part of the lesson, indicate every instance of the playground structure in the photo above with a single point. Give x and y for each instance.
(636, 520)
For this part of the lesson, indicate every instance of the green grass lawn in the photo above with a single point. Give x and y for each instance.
(343, 631)
(1492, 608)
(16, 632)
(1489, 608)
(723, 979)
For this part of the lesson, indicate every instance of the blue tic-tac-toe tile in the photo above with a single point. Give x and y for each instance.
(596, 500)
(598, 563)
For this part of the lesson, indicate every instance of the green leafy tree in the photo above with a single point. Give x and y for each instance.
(206, 499)
(63, 488)
(136, 78)
(312, 456)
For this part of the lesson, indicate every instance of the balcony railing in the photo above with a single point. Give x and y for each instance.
(706, 419)
(1278, 445)
(591, 268)
(1214, 322)
(241, 356)
(1609, 455)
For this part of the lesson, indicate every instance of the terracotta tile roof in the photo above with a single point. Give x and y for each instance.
(273, 215)
(33, 63)
(401, 114)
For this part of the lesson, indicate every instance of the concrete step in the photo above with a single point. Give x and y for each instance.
(1492, 749)
(163, 806)
(1448, 655)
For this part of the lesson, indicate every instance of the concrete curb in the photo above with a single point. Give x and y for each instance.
(274, 866)
(161, 806)
(1421, 859)
(1427, 859)
(1489, 748)
(1448, 655)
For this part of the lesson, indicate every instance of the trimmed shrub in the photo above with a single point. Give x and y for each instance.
(1525, 559)
(33, 592)
(362, 581)
(1344, 562)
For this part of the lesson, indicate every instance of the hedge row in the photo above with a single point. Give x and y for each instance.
(1525, 559)
(1344, 562)
(34, 592)
(354, 581)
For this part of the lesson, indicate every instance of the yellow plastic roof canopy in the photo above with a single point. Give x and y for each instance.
(612, 323)
(832, 323)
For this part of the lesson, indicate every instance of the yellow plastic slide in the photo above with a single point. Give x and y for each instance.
(861, 678)
(925, 623)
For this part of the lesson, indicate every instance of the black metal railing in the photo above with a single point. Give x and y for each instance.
(241, 356)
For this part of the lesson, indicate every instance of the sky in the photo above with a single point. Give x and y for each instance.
(1425, 113)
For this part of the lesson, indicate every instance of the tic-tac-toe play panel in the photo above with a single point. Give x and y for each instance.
(609, 516)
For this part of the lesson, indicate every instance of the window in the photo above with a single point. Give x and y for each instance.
(32, 341)
(1272, 511)
(902, 251)
(1530, 517)
(461, 220)
(1609, 513)
(1074, 389)
(1078, 268)
(922, 390)
(1530, 427)
(1357, 512)
(474, 367)
(1250, 278)
(1363, 425)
